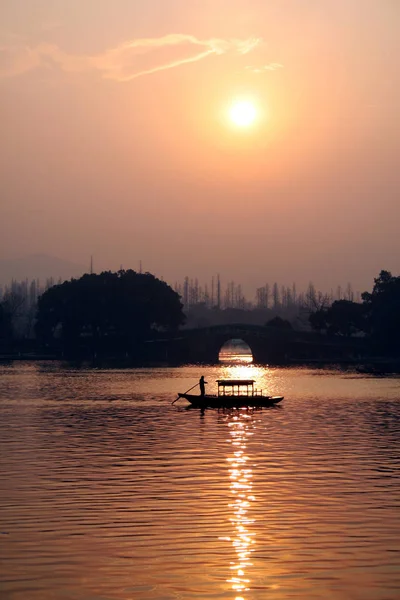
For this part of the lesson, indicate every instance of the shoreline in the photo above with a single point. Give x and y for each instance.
(373, 366)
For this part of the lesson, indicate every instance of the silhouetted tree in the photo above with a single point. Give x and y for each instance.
(275, 296)
(14, 303)
(318, 320)
(125, 305)
(343, 317)
(383, 311)
(315, 300)
(279, 323)
(5, 324)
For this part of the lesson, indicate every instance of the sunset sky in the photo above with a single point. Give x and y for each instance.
(117, 137)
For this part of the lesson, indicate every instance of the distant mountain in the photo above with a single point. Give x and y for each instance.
(39, 266)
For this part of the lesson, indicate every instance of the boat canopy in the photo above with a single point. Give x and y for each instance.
(232, 382)
(237, 387)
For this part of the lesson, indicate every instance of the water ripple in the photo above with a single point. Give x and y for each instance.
(109, 492)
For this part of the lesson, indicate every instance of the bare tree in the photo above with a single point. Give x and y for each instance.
(275, 296)
(349, 294)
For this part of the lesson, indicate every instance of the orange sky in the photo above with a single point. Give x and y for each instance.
(116, 143)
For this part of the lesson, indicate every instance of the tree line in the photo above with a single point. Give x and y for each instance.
(202, 305)
(377, 317)
(273, 296)
(124, 308)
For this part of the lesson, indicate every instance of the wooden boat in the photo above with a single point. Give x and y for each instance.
(232, 393)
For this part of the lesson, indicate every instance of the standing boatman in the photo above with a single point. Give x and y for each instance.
(202, 386)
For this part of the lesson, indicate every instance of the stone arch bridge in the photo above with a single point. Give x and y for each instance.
(269, 345)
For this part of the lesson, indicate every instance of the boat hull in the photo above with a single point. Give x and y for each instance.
(210, 401)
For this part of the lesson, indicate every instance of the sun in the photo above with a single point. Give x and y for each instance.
(243, 113)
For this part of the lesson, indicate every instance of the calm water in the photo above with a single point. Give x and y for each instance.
(110, 492)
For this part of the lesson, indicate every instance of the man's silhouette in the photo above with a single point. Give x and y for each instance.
(202, 386)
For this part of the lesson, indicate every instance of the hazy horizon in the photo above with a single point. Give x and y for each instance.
(117, 141)
(42, 268)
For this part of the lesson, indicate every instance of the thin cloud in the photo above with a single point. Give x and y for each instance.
(270, 67)
(121, 63)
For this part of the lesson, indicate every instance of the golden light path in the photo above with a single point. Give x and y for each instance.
(241, 425)
(241, 490)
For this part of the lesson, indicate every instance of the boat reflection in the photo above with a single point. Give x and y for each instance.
(240, 474)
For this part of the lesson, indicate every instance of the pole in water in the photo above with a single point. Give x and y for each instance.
(193, 386)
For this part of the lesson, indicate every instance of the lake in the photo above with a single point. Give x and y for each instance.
(108, 491)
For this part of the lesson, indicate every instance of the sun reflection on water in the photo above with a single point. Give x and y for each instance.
(235, 351)
(247, 371)
(241, 427)
(241, 486)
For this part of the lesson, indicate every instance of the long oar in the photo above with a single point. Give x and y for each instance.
(196, 384)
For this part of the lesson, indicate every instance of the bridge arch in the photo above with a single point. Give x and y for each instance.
(235, 350)
(259, 349)
(203, 345)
